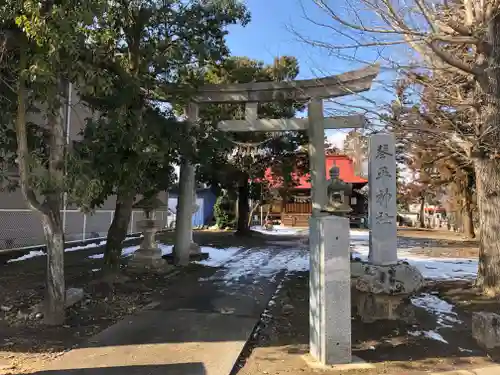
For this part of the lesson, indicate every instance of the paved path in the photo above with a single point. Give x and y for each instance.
(195, 331)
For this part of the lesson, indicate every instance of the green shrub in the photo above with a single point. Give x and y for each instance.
(224, 212)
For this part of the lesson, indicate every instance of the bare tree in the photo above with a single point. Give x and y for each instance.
(462, 40)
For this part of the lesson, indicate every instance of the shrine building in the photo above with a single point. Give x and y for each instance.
(294, 207)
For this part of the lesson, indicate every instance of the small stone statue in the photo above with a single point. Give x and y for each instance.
(336, 191)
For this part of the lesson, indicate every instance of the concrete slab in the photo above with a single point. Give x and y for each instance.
(246, 297)
(161, 342)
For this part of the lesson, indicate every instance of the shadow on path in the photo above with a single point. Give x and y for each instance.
(170, 369)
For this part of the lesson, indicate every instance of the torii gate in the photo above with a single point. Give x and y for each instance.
(312, 90)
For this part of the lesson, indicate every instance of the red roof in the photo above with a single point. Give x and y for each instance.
(342, 161)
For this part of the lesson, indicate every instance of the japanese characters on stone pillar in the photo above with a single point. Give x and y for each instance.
(382, 201)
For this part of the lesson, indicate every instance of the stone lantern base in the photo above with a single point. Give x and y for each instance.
(149, 256)
(382, 292)
(195, 254)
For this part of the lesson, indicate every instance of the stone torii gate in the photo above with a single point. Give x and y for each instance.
(330, 325)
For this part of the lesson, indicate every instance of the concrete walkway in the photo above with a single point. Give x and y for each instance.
(200, 333)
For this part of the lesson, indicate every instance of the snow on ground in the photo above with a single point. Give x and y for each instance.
(429, 334)
(217, 257)
(267, 262)
(31, 254)
(39, 253)
(127, 251)
(434, 305)
(261, 263)
(431, 268)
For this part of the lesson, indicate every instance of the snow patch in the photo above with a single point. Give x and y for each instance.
(248, 265)
(85, 247)
(31, 254)
(165, 249)
(436, 306)
(465, 350)
(433, 335)
(291, 260)
(38, 253)
(431, 268)
(217, 257)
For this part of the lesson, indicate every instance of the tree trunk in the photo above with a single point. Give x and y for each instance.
(422, 211)
(118, 230)
(50, 210)
(468, 218)
(252, 212)
(51, 219)
(243, 205)
(488, 201)
(55, 283)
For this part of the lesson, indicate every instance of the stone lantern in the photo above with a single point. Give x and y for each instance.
(338, 192)
(149, 255)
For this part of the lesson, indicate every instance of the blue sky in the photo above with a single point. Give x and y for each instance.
(269, 35)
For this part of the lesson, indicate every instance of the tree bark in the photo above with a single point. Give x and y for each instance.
(468, 217)
(52, 223)
(487, 166)
(55, 282)
(488, 201)
(118, 230)
(243, 205)
(422, 211)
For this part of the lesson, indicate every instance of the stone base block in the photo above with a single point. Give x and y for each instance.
(374, 307)
(146, 260)
(192, 257)
(397, 279)
(381, 292)
(486, 329)
(194, 248)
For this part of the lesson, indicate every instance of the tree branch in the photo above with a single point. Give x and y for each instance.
(21, 136)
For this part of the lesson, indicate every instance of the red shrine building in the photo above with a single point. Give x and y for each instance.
(294, 208)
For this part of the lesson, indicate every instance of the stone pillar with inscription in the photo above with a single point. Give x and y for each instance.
(382, 200)
(384, 282)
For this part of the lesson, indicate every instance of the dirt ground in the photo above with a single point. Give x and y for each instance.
(283, 339)
(25, 341)
(439, 244)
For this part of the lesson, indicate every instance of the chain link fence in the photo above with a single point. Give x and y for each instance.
(22, 227)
